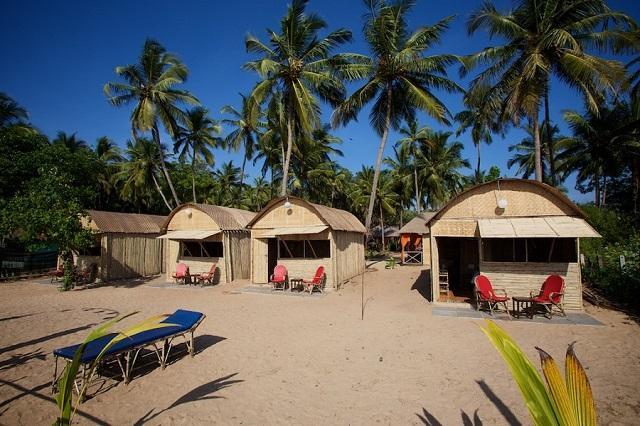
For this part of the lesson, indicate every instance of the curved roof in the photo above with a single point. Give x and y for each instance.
(125, 223)
(533, 184)
(417, 224)
(336, 219)
(227, 218)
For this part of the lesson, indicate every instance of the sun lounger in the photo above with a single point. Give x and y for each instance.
(126, 351)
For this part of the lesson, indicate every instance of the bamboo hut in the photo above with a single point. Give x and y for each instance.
(200, 235)
(414, 240)
(126, 245)
(302, 236)
(515, 231)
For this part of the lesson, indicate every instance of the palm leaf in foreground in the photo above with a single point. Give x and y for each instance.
(561, 402)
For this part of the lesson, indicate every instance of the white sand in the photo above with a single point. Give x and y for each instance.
(299, 360)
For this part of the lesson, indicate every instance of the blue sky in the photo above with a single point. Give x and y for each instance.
(58, 55)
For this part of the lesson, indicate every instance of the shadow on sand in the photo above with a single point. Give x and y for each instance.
(422, 284)
(429, 419)
(201, 393)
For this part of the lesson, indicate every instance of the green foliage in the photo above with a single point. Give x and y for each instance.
(563, 401)
(603, 270)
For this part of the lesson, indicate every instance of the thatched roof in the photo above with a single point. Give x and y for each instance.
(336, 219)
(227, 218)
(125, 223)
(418, 225)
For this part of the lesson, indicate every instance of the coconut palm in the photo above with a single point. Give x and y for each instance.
(196, 139)
(72, 142)
(480, 117)
(109, 157)
(403, 175)
(524, 156)
(545, 38)
(296, 63)
(10, 111)
(227, 191)
(246, 129)
(138, 172)
(440, 164)
(399, 77)
(151, 86)
(413, 138)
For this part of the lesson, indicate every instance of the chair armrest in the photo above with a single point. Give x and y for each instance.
(502, 290)
(271, 277)
(552, 295)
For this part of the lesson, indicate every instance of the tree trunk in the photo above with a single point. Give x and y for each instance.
(552, 160)
(401, 211)
(596, 179)
(536, 144)
(285, 167)
(156, 138)
(604, 191)
(478, 165)
(415, 182)
(381, 227)
(244, 162)
(193, 176)
(155, 182)
(376, 174)
(635, 180)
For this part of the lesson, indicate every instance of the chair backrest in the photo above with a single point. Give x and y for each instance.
(483, 286)
(181, 269)
(279, 272)
(317, 278)
(212, 270)
(553, 284)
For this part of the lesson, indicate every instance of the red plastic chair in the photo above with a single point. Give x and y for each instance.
(485, 293)
(551, 295)
(208, 277)
(318, 281)
(280, 277)
(182, 273)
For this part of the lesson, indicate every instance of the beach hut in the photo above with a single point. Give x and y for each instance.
(414, 240)
(126, 245)
(200, 235)
(302, 236)
(515, 231)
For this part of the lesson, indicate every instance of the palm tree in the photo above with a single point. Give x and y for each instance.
(399, 78)
(150, 86)
(196, 139)
(228, 188)
(10, 111)
(440, 165)
(403, 167)
(592, 151)
(138, 172)
(72, 142)
(479, 116)
(109, 157)
(524, 156)
(256, 196)
(296, 64)
(414, 137)
(245, 131)
(545, 38)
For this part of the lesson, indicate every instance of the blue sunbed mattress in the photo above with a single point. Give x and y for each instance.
(185, 320)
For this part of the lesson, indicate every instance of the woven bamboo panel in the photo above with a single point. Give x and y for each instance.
(278, 217)
(128, 256)
(523, 199)
(259, 260)
(518, 279)
(454, 228)
(348, 253)
(240, 254)
(189, 219)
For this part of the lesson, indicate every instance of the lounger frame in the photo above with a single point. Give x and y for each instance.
(127, 357)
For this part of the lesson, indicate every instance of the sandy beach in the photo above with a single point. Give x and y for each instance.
(274, 359)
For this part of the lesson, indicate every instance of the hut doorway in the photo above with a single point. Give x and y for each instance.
(272, 256)
(459, 262)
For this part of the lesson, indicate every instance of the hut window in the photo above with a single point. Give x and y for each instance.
(559, 250)
(304, 249)
(201, 249)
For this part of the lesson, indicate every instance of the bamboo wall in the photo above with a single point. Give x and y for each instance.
(298, 215)
(130, 255)
(238, 254)
(197, 265)
(259, 260)
(520, 278)
(199, 221)
(349, 256)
